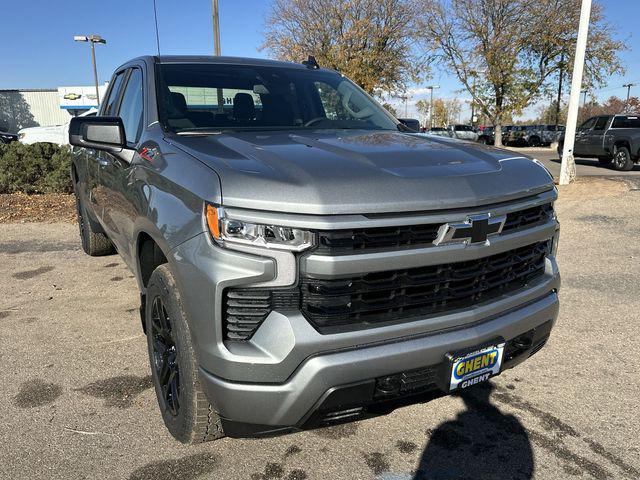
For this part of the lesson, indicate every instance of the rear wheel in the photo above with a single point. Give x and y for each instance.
(94, 243)
(186, 412)
(534, 142)
(622, 159)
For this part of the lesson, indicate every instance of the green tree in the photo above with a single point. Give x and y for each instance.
(370, 41)
(445, 110)
(506, 52)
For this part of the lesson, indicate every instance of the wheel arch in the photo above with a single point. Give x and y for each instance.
(148, 256)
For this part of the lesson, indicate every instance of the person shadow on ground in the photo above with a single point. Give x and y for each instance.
(482, 443)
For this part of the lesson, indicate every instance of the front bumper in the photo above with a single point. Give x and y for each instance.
(302, 400)
(276, 379)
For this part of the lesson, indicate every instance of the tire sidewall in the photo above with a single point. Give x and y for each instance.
(162, 284)
(81, 217)
(628, 165)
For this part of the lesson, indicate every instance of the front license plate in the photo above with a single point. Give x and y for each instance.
(475, 367)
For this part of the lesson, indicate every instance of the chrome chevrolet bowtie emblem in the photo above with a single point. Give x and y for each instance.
(476, 229)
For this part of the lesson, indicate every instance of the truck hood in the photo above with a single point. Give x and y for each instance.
(340, 172)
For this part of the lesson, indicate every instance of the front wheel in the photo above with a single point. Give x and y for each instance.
(185, 409)
(622, 160)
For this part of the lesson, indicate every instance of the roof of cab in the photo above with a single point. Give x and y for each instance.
(225, 60)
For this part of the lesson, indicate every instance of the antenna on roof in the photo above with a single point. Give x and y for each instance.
(310, 62)
(155, 15)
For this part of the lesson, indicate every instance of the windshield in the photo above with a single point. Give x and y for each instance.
(197, 97)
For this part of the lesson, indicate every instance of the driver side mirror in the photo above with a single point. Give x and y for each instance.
(100, 133)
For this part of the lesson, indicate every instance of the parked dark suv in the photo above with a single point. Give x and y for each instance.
(302, 259)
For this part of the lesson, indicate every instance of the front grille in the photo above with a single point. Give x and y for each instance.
(528, 218)
(245, 309)
(336, 242)
(357, 302)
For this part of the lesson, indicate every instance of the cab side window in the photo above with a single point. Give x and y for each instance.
(111, 103)
(601, 123)
(131, 106)
(588, 124)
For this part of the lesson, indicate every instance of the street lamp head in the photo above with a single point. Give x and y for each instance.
(97, 39)
(89, 38)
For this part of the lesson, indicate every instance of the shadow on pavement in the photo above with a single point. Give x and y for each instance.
(481, 443)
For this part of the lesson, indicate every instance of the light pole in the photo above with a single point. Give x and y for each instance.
(431, 87)
(568, 165)
(92, 39)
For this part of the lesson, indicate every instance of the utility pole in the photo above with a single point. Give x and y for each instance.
(568, 166)
(216, 47)
(431, 87)
(216, 27)
(628, 87)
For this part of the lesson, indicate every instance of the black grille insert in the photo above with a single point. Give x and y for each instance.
(245, 309)
(340, 304)
(335, 242)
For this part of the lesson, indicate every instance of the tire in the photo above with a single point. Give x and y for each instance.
(483, 141)
(622, 159)
(186, 412)
(95, 244)
(534, 142)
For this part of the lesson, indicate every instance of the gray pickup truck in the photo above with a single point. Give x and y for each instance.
(613, 139)
(302, 259)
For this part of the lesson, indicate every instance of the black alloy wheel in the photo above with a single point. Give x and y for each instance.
(165, 361)
(622, 159)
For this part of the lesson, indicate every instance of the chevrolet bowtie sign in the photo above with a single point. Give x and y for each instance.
(79, 97)
(476, 229)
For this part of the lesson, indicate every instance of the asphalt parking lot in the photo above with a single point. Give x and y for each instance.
(585, 167)
(78, 403)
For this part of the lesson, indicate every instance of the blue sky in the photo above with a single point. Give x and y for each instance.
(38, 50)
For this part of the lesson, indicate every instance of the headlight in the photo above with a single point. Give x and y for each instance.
(228, 231)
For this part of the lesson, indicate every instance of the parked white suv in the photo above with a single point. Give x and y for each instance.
(57, 134)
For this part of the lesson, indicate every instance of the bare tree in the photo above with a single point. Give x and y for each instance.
(370, 41)
(513, 48)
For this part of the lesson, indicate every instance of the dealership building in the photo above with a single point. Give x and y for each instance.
(21, 108)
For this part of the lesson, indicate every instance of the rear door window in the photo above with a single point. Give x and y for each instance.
(626, 122)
